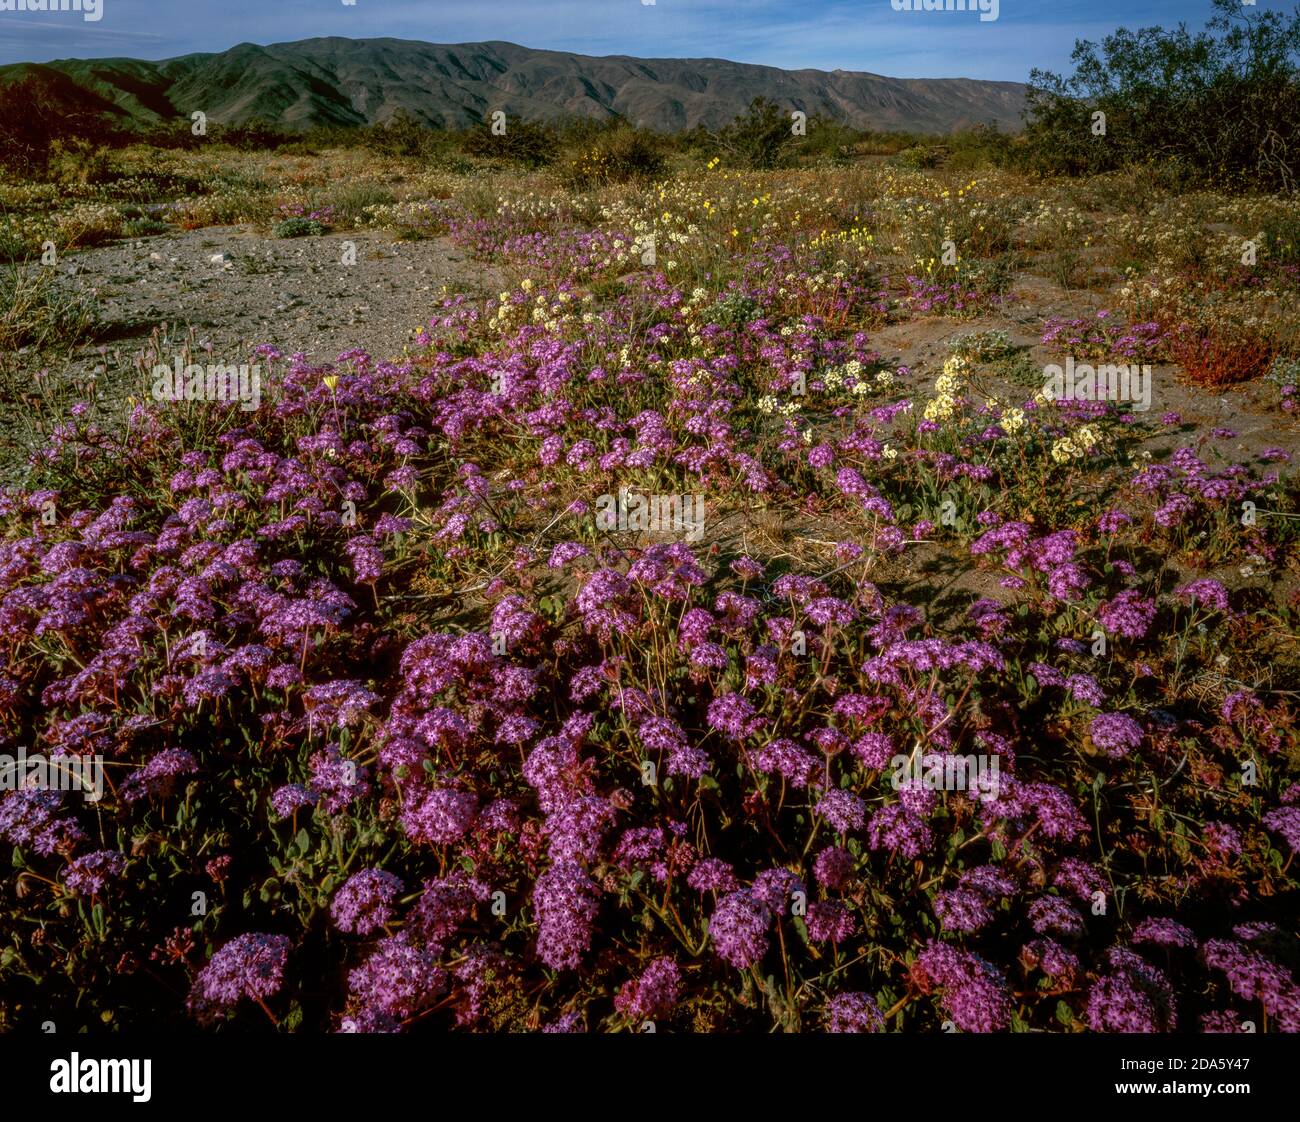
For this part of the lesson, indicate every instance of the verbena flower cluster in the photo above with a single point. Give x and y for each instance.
(398, 738)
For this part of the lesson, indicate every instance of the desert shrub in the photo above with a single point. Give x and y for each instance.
(827, 140)
(982, 146)
(322, 137)
(299, 228)
(983, 346)
(350, 199)
(883, 143)
(253, 136)
(982, 227)
(920, 157)
(577, 133)
(147, 185)
(1133, 190)
(402, 135)
(762, 137)
(81, 163)
(1221, 351)
(1221, 106)
(172, 136)
(453, 163)
(224, 207)
(616, 157)
(143, 226)
(992, 276)
(50, 114)
(531, 143)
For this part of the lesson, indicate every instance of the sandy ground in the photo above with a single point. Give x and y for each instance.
(234, 288)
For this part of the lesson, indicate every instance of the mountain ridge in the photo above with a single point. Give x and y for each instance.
(339, 81)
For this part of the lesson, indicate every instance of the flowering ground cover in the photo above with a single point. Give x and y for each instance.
(960, 708)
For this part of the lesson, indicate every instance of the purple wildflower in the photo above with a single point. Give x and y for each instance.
(739, 929)
(1116, 734)
(652, 995)
(365, 901)
(249, 966)
(853, 1012)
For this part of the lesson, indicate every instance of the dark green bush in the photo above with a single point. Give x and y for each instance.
(1221, 107)
(403, 135)
(299, 228)
(616, 156)
(253, 136)
(761, 138)
(920, 157)
(530, 143)
(37, 113)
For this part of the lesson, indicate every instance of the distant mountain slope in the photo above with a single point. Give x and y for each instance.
(363, 81)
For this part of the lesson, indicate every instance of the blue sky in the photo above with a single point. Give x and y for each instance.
(823, 34)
